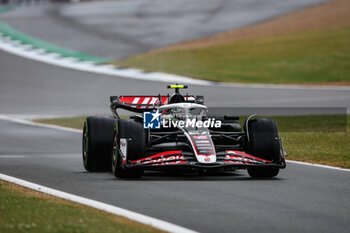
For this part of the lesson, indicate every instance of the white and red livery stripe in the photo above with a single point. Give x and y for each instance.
(145, 101)
(241, 153)
(136, 100)
(162, 154)
(169, 163)
(151, 100)
(173, 158)
(240, 159)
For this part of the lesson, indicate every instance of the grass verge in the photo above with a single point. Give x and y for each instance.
(308, 46)
(304, 57)
(25, 210)
(320, 139)
(72, 122)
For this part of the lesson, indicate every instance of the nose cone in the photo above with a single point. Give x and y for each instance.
(202, 145)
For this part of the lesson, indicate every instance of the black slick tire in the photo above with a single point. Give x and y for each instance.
(98, 143)
(134, 132)
(263, 143)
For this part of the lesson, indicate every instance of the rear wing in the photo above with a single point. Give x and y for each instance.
(145, 103)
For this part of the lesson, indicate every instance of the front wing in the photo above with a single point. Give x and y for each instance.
(228, 158)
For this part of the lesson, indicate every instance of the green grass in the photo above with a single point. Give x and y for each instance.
(76, 122)
(304, 57)
(323, 139)
(72, 122)
(24, 210)
(311, 123)
(315, 147)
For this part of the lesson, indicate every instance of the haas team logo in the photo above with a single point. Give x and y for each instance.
(151, 120)
(207, 159)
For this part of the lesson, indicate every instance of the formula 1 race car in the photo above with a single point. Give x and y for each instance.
(174, 132)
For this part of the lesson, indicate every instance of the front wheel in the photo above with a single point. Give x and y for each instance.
(133, 136)
(263, 143)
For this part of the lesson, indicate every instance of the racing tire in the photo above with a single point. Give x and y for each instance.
(98, 143)
(263, 143)
(134, 132)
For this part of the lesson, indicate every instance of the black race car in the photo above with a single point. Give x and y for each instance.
(175, 132)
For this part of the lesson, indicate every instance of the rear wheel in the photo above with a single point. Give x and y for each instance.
(98, 143)
(133, 135)
(263, 143)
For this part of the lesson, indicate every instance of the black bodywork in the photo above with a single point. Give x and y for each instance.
(230, 137)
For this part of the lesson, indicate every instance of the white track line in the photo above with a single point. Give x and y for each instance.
(156, 223)
(13, 156)
(16, 48)
(319, 165)
(29, 122)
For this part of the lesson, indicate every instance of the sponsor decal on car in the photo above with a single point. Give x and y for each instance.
(207, 159)
(237, 158)
(203, 141)
(169, 163)
(200, 137)
(243, 154)
(177, 157)
(151, 120)
(123, 149)
(193, 123)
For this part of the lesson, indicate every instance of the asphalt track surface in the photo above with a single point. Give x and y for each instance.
(301, 199)
(32, 88)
